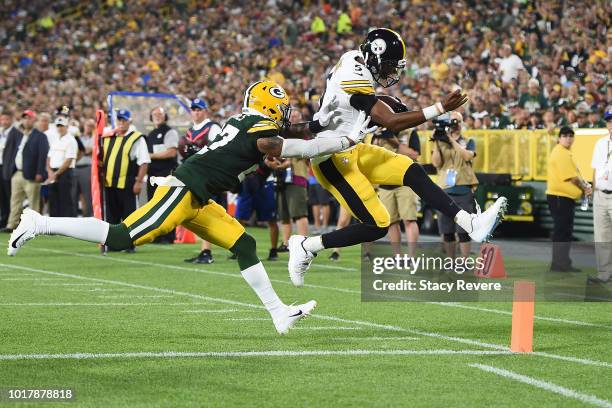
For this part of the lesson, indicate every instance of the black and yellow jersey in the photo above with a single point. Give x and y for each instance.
(222, 165)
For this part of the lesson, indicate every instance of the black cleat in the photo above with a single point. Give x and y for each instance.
(334, 256)
(282, 248)
(273, 255)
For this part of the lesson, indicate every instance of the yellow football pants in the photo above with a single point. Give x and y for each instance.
(174, 206)
(349, 176)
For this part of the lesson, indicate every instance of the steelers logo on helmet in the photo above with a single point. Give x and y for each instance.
(378, 46)
(384, 54)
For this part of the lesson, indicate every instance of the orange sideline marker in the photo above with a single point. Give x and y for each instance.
(523, 309)
(493, 262)
(184, 236)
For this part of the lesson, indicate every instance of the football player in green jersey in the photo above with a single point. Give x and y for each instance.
(184, 198)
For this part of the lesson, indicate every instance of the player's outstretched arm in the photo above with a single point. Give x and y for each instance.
(397, 122)
(279, 147)
(327, 114)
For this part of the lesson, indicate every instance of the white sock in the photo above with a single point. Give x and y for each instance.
(257, 278)
(464, 220)
(313, 244)
(88, 229)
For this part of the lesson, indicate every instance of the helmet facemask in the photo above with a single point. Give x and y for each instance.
(285, 111)
(388, 72)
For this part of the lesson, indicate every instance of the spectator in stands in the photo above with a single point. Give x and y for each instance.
(60, 169)
(510, 64)
(533, 100)
(27, 158)
(564, 187)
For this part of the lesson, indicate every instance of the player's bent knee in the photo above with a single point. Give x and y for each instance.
(375, 232)
(245, 250)
(118, 237)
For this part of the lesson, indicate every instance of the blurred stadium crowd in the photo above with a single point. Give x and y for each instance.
(525, 64)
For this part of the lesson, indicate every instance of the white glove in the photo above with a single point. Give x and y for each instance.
(328, 114)
(360, 128)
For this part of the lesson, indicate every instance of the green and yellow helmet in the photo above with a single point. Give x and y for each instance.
(269, 99)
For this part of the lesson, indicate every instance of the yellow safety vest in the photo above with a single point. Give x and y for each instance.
(119, 169)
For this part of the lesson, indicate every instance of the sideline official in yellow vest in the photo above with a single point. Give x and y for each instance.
(125, 162)
(564, 187)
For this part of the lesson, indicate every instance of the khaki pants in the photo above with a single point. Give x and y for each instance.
(602, 220)
(20, 189)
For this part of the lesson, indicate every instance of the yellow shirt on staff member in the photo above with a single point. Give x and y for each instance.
(562, 168)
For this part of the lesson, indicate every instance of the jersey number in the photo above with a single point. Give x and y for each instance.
(228, 134)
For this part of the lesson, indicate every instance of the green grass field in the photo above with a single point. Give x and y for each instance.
(114, 328)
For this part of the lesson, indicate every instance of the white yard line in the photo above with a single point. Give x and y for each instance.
(438, 336)
(545, 385)
(98, 304)
(133, 296)
(28, 279)
(271, 353)
(215, 311)
(248, 319)
(318, 328)
(508, 313)
(376, 338)
(343, 290)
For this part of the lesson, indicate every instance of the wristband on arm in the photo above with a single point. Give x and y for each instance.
(433, 111)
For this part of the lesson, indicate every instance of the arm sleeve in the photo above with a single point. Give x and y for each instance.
(307, 149)
(363, 102)
(171, 139)
(139, 152)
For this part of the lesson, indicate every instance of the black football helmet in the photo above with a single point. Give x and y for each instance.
(384, 53)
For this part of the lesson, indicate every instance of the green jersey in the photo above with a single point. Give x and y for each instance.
(221, 166)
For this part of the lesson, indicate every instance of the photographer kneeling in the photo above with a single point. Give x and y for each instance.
(452, 156)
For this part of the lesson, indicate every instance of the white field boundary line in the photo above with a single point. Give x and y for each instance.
(438, 336)
(99, 304)
(343, 290)
(545, 385)
(215, 311)
(318, 328)
(507, 313)
(376, 338)
(235, 354)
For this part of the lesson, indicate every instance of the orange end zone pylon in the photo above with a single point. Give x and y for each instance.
(184, 236)
(523, 310)
(493, 262)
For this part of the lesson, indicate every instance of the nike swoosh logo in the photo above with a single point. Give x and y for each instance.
(297, 314)
(15, 241)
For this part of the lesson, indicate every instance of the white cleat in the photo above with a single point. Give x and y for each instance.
(299, 259)
(292, 314)
(484, 223)
(25, 231)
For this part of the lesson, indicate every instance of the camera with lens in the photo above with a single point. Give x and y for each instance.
(442, 126)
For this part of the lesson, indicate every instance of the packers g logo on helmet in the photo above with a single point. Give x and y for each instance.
(269, 99)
